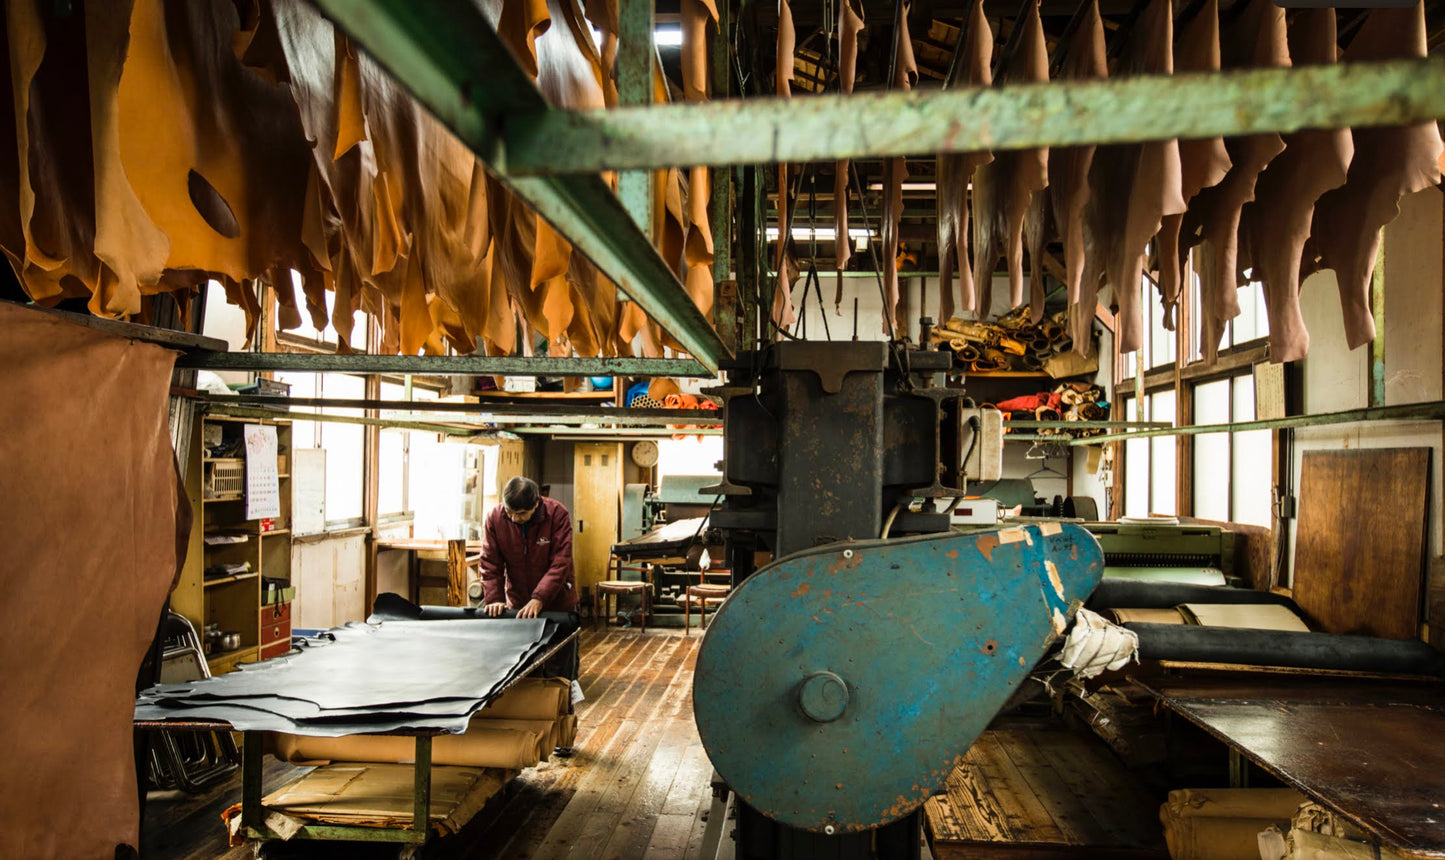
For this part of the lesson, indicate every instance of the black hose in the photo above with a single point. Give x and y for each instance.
(1130, 594)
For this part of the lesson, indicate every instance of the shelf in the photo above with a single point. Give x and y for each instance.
(283, 475)
(276, 532)
(1007, 374)
(223, 498)
(545, 395)
(222, 580)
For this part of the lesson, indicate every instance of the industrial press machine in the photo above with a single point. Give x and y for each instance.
(839, 685)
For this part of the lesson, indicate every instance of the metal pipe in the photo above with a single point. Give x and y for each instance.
(969, 119)
(443, 365)
(283, 415)
(486, 412)
(605, 434)
(1432, 411)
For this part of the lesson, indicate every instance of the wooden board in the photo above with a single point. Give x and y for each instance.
(1360, 555)
(1042, 793)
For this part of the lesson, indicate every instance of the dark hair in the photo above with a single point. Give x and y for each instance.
(520, 494)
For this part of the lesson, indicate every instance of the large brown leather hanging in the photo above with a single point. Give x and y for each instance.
(1388, 164)
(850, 24)
(1005, 187)
(1131, 188)
(1278, 221)
(1084, 59)
(1257, 40)
(1202, 162)
(956, 172)
(895, 170)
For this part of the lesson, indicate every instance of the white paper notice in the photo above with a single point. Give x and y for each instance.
(263, 485)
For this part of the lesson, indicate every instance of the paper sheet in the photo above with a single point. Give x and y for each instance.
(263, 484)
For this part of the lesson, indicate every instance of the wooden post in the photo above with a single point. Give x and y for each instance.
(456, 573)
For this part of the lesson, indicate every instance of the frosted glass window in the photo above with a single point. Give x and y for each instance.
(1163, 456)
(345, 449)
(1163, 346)
(1211, 452)
(303, 433)
(391, 461)
(1253, 452)
(1253, 321)
(1136, 468)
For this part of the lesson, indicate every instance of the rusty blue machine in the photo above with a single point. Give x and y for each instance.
(840, 684)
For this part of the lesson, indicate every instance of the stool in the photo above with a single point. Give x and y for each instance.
(602, 590)
(701, 593)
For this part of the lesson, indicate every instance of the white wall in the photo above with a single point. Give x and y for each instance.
(1335, 378)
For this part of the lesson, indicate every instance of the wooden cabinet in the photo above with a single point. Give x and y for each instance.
(596, 508)
(230, 558)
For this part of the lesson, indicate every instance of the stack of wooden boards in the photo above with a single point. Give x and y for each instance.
(368, 780)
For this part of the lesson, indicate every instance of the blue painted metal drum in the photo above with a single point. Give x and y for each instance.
(837, 688)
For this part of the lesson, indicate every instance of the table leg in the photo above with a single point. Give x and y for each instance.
(252, 749)
(421, 812)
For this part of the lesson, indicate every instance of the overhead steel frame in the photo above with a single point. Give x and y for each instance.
(443, 365)
(452, 60)
(969, 119)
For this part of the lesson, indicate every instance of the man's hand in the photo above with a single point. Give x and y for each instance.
(495, 609)
(531, 609)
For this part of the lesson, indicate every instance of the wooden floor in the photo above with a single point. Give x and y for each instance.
(637, 787)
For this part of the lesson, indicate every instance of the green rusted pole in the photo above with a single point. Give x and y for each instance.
(967, 119)
(1433, 411)
(446, 365)
(634, 87)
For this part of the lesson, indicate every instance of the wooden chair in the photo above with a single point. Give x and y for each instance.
(615, 586)
(702, 593)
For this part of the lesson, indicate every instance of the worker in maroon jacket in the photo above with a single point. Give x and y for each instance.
(527, 554)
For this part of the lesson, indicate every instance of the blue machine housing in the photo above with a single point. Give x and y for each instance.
(838, 687)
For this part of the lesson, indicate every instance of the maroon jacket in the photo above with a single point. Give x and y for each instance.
(529, 561)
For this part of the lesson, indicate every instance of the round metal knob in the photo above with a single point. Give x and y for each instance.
(823, 696)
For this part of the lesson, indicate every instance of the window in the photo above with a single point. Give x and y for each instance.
(344, 443)
(1149, 463)
(1232, 471)
(690, 455)
(1159, 347)
(1251, 324)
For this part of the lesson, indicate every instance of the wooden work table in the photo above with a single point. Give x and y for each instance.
(1369, 750)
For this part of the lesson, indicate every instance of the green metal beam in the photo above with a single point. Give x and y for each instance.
(1060, 113)
(481, 413)
(1432, 411)
(444, 365)
(384, 423)
(620, 432)
(1090, 425)
(452, 60)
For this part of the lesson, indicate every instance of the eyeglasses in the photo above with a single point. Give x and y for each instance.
(519, 516)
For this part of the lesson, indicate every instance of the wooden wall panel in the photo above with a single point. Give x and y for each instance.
(1360, 554)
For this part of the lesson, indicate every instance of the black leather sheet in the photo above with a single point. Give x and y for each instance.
(379, 676)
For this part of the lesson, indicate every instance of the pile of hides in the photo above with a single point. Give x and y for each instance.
(153, 145)
(1069, 401)
(1265, 208)
(365, 678)
(1013, 342)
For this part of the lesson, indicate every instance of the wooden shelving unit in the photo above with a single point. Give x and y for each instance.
(233, 601)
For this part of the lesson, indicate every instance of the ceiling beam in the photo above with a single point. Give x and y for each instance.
(443, 365)
(967, 119)
(449, 56)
